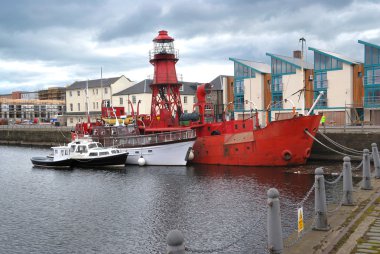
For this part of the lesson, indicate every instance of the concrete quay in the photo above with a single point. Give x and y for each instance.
(353, 229)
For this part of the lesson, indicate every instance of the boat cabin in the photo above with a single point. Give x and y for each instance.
(60, 153)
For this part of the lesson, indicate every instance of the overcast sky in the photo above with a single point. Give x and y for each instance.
(47, 43)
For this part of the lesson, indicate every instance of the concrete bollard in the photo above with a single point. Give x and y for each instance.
(376, 159)
(347, 182)
(320, 202)
(175, 242)
(366, 178)
(274, 230)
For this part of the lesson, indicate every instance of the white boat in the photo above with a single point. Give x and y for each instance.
(82, 153)
(160, 149)
(87, 153)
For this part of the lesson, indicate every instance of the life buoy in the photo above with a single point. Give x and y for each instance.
(286, 155)
(307, 153)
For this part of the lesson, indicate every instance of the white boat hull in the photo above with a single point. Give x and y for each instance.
(173, 154)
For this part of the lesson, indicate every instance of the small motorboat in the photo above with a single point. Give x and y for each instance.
(82, 153)
(60, 157)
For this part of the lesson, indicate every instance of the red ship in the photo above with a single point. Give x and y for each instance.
(236, 142)
(244, 142)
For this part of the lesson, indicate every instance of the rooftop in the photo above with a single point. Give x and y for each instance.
(256, 66)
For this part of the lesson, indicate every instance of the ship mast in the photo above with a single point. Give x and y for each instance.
(303, 40)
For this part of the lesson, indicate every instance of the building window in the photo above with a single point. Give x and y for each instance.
(71, 107)
(133, 99)
(325, 62)
(71, 93)
(185, 99)
(93, 91)
(121, 100)
(105, 90)
(322, 103)
(281, 67)
(71, 120)
(97, 105)
(78, 92)
(96, 91)
(93, 105)
(193, 99)
(277, 100)
(277, 85)
(181, 88)
(320, 81)
(78, 106)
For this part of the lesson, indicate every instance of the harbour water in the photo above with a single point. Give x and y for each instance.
(131, 209)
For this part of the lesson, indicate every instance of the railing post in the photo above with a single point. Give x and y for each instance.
(376, 159)
(320, 207)
(366, 178)
(274, 230)
(347, 182)
(175, 242)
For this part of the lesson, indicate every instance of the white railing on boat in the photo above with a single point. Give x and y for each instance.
(144, 140)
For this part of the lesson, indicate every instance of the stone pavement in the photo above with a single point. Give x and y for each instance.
(354, 229)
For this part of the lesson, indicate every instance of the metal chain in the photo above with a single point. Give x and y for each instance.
(339, 145)
(358, 167)
(308, 133)
(253, 228)
(300, 204)
(336, 179)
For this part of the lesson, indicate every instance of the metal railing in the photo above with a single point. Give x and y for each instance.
(145, 140)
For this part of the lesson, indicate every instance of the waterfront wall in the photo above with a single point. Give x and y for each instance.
(354, 140)
(48, 136)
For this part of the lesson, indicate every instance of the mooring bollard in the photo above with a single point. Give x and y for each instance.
(347, 182)
(366, 178)
(376, 159)
(175, 242)
(320, 202)
(275, 242)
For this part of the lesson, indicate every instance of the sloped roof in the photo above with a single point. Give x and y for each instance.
(256, 66)
(369, 44)
(143, 86)
(217, 83)
(296, 62)
(336, 55)
(106, 82)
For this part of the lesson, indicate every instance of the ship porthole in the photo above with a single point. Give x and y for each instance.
(286, 155)
(307, 153)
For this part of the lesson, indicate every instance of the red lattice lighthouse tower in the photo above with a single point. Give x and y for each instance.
(166, 107)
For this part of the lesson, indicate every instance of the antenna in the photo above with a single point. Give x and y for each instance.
(303, 41)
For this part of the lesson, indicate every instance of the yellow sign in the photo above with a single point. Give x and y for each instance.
(300, 220)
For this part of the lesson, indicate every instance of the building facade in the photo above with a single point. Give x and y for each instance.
(339, 78)
(252, 88)
(371, 82)
(85, 97)
(290, 85)
(143, 93)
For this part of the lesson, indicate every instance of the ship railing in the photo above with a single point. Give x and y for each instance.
(144, 140)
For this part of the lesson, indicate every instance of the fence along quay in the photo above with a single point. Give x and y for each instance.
(335, 217)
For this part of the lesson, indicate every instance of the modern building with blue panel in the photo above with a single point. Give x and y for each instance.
(371, 82)
(339, 78)
(251, 88)
(288, 82)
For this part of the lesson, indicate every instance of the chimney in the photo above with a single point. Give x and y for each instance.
(297, 54)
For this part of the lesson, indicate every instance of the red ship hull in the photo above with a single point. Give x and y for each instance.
(281, 143)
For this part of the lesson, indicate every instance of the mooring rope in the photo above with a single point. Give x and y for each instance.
(339, 145)
(344, 154)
